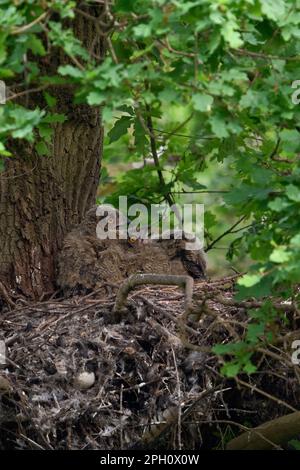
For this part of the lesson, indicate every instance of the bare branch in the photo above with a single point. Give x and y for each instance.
(277, 432)
(27, 92)
(26, 27)
(260, 55)
(158, 279)
(227, 232)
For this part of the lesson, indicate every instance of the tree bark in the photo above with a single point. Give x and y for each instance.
(41, 198)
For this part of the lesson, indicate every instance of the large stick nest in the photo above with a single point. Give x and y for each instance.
(75, 380)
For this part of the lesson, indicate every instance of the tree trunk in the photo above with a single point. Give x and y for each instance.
(41, 198)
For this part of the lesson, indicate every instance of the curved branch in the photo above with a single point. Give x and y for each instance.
(160, 279)
(278, 431)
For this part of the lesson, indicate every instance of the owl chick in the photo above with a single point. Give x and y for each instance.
(186, 249)
(168, 255)
(87, 260)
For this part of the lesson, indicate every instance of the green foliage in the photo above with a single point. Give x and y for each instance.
(295, 444)
(206, 83)
(261, 330)
(19, 122)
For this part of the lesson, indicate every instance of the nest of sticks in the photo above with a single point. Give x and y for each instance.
(75, 378)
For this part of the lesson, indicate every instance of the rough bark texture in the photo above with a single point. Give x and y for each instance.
(41, 198)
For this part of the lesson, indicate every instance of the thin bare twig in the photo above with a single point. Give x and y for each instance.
(254, 388)
(227, 232)
(260, 55)
(179, 401)
(27, 92)
(28, 26)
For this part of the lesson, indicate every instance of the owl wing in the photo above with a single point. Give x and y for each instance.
(195, 263)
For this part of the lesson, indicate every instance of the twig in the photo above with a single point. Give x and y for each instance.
(161, 178)
(171, 317)
(112, 50)
(172, 339)
(254, 388)
(5, 295)
(260, 55)
(227, 232)
(179, 401)
(25, 28)
(244, 428)
(76, 62)
(121, 417)
(12, 339)
(33, 443)
(177, 128)
(201, 192)
(168, 46)
(168, 418)
(252, 304)
(166, 193)
(275, 158)
(27, 92)
(200, 137)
